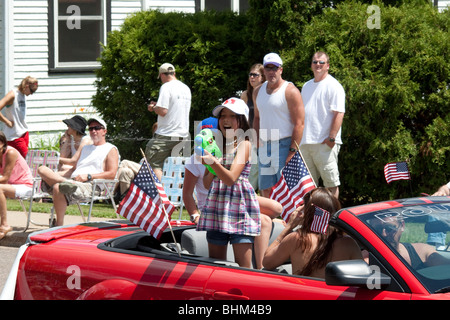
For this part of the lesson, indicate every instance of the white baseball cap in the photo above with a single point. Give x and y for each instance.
(166, 68)
(236, 105)
(272, 58)
(97, 119)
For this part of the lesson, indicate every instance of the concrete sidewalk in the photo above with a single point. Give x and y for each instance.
(18, 221)
(10, 244)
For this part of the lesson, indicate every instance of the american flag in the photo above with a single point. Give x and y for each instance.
(320, 221)
(294, 183)
(145, 203)
(396, 171)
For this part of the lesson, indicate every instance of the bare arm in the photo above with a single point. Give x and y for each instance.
(297, 113)
(335, 126)
(443, 191)
(244, 96)
(7, 100)
(256, 116)
(188, 193)
(280, 250)
(152, 107)
(73, 161)
(11, 158)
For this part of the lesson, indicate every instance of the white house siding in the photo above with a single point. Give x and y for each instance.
(174, 5)
(60, 96)
(121, 9)
(443, 4)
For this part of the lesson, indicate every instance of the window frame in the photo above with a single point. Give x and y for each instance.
(235, 5)
(55, 66)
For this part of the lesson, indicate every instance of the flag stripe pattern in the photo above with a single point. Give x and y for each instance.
(320, 221)
(294, 183)
(145, 203)
(396, 171)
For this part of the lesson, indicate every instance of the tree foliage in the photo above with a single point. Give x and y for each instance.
(205, 49)
(396, 78)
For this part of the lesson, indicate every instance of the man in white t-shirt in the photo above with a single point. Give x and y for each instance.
(173, 107)
(324, 100)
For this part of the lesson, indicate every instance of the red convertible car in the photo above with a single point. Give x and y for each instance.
(117, 260)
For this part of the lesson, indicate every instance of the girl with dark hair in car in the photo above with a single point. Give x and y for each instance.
(308, 249)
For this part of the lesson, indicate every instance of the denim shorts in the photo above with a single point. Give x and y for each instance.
(221, 239)
(272, 157)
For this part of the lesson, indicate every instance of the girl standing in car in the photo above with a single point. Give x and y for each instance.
(231, 213)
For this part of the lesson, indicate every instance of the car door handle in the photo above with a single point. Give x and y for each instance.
(221, 295)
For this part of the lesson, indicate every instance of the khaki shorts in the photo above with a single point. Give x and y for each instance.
(322, 162)
(159, 148)
(83, 192)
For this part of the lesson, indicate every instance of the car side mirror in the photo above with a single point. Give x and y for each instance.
(355, 273)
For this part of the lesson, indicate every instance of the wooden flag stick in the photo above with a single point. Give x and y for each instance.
(301, 156)
(162, 204)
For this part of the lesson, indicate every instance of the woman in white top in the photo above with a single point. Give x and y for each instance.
(14, 115)
(71, 143)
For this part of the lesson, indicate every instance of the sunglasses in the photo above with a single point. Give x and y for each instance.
(318, 62)
(388, 228)
(254, 75)
(32, 90)
(274, 68)
(96, 128)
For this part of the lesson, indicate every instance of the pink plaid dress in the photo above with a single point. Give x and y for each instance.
(232, 209)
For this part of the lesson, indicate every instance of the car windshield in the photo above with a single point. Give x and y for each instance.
(419, 234)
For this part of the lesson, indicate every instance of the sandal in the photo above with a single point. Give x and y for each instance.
(6, 230)
(3, 232)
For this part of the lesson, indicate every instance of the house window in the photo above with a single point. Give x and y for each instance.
(77, 29)
(239, 6)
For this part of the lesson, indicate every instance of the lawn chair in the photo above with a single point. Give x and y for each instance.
(173, 179)
(35, 159)
(102, 189)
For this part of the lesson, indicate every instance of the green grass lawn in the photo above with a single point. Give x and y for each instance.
(99, 210)
(414, 232)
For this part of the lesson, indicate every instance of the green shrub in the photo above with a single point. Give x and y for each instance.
(205, 48)
(397, 99)
(396, 78)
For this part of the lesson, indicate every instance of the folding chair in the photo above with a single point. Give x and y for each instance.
(102, 189)
(173, 179)
(35, 159)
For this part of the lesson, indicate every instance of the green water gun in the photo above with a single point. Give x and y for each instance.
(205, 141)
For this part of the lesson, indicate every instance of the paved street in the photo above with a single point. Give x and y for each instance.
(13, 240)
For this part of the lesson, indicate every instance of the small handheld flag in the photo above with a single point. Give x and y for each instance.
(294, 183)
(320, 221)
(146, 203)
(396, 171)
